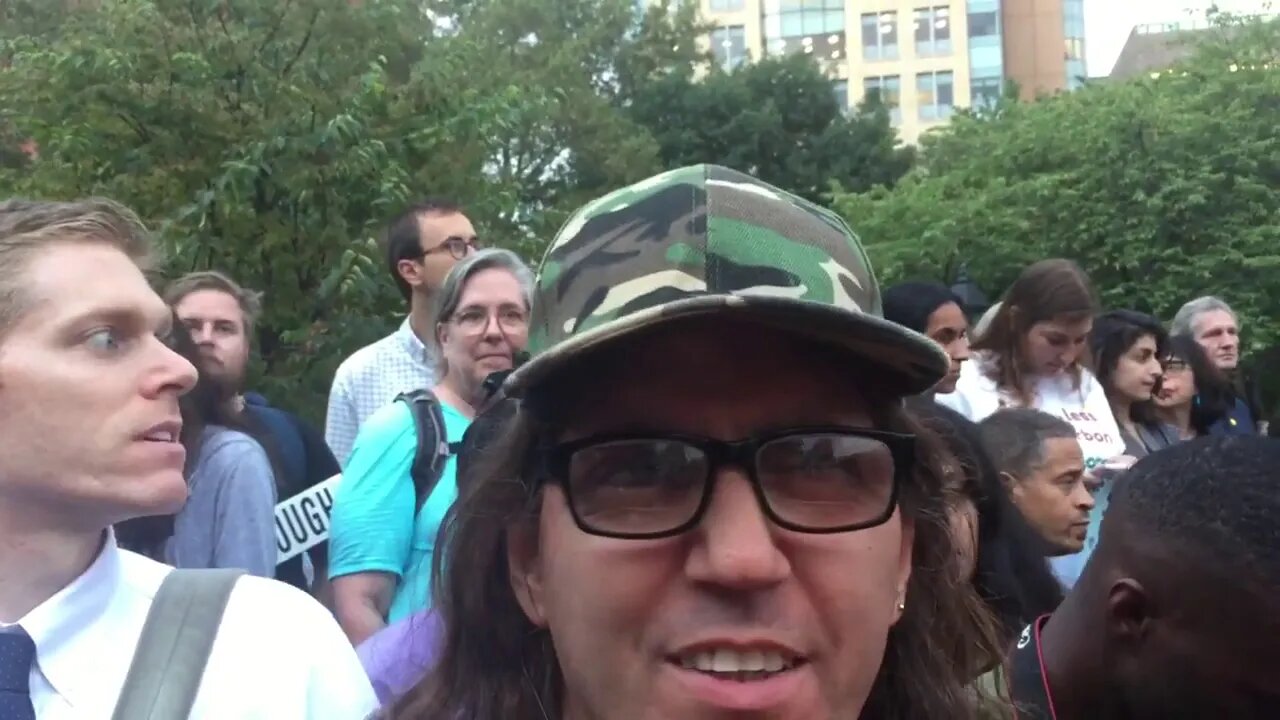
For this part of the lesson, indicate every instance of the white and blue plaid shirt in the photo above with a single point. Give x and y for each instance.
(372, 377)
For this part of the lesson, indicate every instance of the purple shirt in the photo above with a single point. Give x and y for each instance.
(399, 655)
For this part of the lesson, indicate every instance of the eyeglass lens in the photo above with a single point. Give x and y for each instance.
(476, 319)
(816, 481)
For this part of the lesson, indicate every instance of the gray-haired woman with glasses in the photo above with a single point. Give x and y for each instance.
(381, 541)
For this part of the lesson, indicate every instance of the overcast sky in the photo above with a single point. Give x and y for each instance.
(1108, 22)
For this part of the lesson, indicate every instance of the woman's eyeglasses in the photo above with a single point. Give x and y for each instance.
(474, 320)
(1174, 364)
(813, 480)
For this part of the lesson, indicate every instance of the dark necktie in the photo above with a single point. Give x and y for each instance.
(17, 653)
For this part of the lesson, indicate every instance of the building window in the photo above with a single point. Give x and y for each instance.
(840, 88)
(1075, 48)
(729, 44)
(936, 95)
(985, 92)
(887, 91)
(880, 36)
(933, 31)
(796, 18)
(727, 5)
(984, 24)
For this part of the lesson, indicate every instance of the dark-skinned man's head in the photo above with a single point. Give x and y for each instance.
(1182, 595)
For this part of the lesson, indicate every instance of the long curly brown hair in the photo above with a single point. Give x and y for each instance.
(496, 665)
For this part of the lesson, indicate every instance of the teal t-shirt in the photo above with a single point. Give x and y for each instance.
(373, 527)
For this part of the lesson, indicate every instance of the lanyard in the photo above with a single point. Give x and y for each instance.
(1027, 682)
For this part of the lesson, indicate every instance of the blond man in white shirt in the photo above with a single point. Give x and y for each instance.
(89, 425)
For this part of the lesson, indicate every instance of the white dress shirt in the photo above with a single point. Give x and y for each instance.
(372, 377)
(279, 655)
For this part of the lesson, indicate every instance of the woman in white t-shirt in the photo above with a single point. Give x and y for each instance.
(1033, 355)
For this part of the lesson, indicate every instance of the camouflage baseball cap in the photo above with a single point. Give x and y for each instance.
(709, 240)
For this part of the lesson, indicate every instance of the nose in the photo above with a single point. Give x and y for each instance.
(1084, 495)
(171, 373)
(960, 349)
(1156, 369)
(493, 329)
(735, 545)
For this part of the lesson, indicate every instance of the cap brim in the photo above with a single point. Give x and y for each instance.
(911, 362)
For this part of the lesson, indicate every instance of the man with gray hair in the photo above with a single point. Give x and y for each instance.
(1212, 323)
(89, 437)
(1042, 467)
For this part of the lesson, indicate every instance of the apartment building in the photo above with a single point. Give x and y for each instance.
(924, 58)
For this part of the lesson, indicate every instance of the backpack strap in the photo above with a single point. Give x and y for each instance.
(169, 661)
(433, 442)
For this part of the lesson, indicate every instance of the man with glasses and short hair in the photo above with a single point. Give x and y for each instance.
(708, 503)
(422, 245)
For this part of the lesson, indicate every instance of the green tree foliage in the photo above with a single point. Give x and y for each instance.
(1164, 188)
(580, 58)
(777, 119)
(273, 139)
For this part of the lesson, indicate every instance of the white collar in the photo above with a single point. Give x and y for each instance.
(411, 343)
(70, 641)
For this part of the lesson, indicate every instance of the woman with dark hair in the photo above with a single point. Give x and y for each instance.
(228, 520)
(1193, 394)
(1006, 558)
(933, 311)
(709, 501)
(1128, 351)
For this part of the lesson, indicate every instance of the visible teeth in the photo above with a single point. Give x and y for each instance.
(731, 661)
(726, 661)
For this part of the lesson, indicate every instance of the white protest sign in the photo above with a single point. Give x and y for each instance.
(302, 521)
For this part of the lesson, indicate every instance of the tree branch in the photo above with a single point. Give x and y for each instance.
(271, 34)
(306, 40)
(138, 128)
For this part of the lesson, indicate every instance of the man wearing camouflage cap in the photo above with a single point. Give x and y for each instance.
(717, 509)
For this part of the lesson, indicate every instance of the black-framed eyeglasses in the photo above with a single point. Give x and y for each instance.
(825, 479)
(1174, 364)
(458, 247)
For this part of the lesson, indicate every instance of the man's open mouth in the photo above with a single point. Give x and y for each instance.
(739, 665)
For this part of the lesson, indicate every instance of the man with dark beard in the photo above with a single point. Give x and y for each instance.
(1177, 614)
(220, 315)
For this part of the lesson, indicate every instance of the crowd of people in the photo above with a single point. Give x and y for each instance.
(697, 466)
